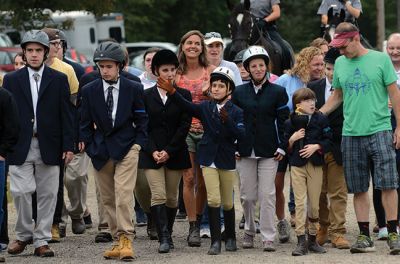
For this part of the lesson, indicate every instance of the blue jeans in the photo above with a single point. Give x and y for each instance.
(2, 183)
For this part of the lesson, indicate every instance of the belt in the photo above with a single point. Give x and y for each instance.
(35, 134)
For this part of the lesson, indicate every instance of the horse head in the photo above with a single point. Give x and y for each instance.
(335, 17)
(240, 28)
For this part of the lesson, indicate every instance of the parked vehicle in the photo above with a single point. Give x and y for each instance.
(7, 55)
(83, 30)
(5, 40)
(80, 58)
(137, 49)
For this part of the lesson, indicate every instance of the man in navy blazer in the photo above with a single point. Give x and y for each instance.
(113, 129)
(46, 136)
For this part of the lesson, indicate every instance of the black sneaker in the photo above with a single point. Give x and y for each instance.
(393, 241)
(88, 221)
(363, 244)
(241, 223)
(180, 215)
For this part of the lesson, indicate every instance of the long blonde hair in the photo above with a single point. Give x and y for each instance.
(181, 55)
(301, 67)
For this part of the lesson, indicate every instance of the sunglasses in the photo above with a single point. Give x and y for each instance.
(212, 35)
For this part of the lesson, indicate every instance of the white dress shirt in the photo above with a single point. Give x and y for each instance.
(115, 93)
(35, 91)
(163, 95)
(328, 89)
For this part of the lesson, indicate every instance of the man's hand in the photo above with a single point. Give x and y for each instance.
(2, 158)
(396, 137)
(308, 150)
(166, 85)
(67, 157)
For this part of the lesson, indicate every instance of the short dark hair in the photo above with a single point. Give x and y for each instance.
(301, 95)
(346, 27)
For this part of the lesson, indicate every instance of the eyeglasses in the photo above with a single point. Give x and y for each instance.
(56, 44)
(212, 35)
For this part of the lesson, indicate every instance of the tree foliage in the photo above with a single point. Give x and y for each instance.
(168, 20)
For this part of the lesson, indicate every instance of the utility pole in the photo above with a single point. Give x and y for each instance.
(398, 16)
(380, 22)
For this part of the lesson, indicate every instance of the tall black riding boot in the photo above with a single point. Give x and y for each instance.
(171, 213)
(159, 213)
(230, 234)
(215, 230)
(151, 227)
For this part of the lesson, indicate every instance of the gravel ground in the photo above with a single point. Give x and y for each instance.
(82, 249)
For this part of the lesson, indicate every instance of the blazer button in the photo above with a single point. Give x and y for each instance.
(33, 120)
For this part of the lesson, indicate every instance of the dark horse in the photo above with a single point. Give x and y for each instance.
(244, 32)
(335, 17)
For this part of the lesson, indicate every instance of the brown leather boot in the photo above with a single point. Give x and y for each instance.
(112, 253)
(126, 252)
(340, 242)
(322, 235)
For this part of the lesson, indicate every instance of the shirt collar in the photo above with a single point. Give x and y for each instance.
(106, 85)
(32, 71)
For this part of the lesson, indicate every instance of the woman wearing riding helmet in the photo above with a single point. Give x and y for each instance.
(265, 111)
(165, 155)
(223, 125)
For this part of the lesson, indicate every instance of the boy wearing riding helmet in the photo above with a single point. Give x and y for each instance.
(265, 111)
(166, 154)
(113, 129)
(223, 125)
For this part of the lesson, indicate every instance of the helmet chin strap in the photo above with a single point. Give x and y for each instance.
(35, 68)
(111, 82)
(257, 83)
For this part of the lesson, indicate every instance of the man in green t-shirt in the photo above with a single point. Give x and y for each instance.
(364, 80)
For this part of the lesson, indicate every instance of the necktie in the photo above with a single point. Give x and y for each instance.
(36, 77)
(110, 102)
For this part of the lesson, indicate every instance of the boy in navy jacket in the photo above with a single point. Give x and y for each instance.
(306, 139)
(223, 125)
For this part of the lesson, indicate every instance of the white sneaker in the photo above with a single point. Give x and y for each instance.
(383, 233)
(205, 233)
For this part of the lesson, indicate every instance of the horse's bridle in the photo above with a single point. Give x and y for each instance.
(251, 30)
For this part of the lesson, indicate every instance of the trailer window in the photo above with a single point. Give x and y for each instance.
(92, 35)
(116, 33)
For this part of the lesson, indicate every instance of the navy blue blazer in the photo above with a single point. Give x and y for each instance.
(218, 142)
(264, 117)
(54, 115)
(317, 132)
(168, 127)
(104, 141)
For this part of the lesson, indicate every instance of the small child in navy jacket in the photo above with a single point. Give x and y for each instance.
(306, 139)
(223, 125)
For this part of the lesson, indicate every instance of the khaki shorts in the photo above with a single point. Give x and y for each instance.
(192, 140)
